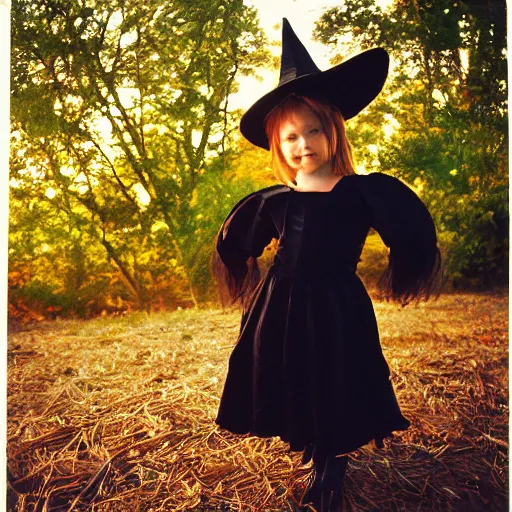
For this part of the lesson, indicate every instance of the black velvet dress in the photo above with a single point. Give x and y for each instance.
(308, 366)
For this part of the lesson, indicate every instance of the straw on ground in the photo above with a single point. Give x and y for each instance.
(117, 414)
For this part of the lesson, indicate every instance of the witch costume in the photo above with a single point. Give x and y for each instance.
(308, 366)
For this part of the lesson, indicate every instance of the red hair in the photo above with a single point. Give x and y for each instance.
(333, 126)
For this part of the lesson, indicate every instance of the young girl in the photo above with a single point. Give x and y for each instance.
(308, 365)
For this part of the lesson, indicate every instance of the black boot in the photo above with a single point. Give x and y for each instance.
(313, 491)
(329, 498)
(330, 501)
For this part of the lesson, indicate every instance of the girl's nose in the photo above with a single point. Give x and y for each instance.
(303, 141)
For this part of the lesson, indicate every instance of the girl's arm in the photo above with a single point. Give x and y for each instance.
(405, 225)
(245, 233)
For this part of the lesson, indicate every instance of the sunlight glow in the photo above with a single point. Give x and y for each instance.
(127, 39)
(50, 193)
(438, 96)
(361, 169)
(66, 170)
(205, 90)
(115, 20)
(143, 198)
(384, 4)
(464, 60)
(114, 111)
(215, 137)
(128, 96)
(388, 130)
(196, 137)
(391, 125)
(34, 171)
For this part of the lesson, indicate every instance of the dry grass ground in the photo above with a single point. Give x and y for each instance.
(118, 415)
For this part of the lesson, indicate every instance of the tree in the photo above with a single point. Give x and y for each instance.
(121, 110)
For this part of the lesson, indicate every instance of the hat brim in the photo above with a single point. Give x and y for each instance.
(349, 86)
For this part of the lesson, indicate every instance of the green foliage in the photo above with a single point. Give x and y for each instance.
(120, 125)
(374, 260)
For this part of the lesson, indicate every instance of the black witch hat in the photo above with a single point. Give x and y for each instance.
(349, 86)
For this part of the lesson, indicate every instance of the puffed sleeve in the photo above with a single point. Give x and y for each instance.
(245, 233)
(405, 225)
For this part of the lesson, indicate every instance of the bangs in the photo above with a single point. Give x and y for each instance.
(283, 111)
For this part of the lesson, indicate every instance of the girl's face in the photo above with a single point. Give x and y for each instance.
(303, 142)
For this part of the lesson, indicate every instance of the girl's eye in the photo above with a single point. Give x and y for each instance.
(291, 137)
(315, 130)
